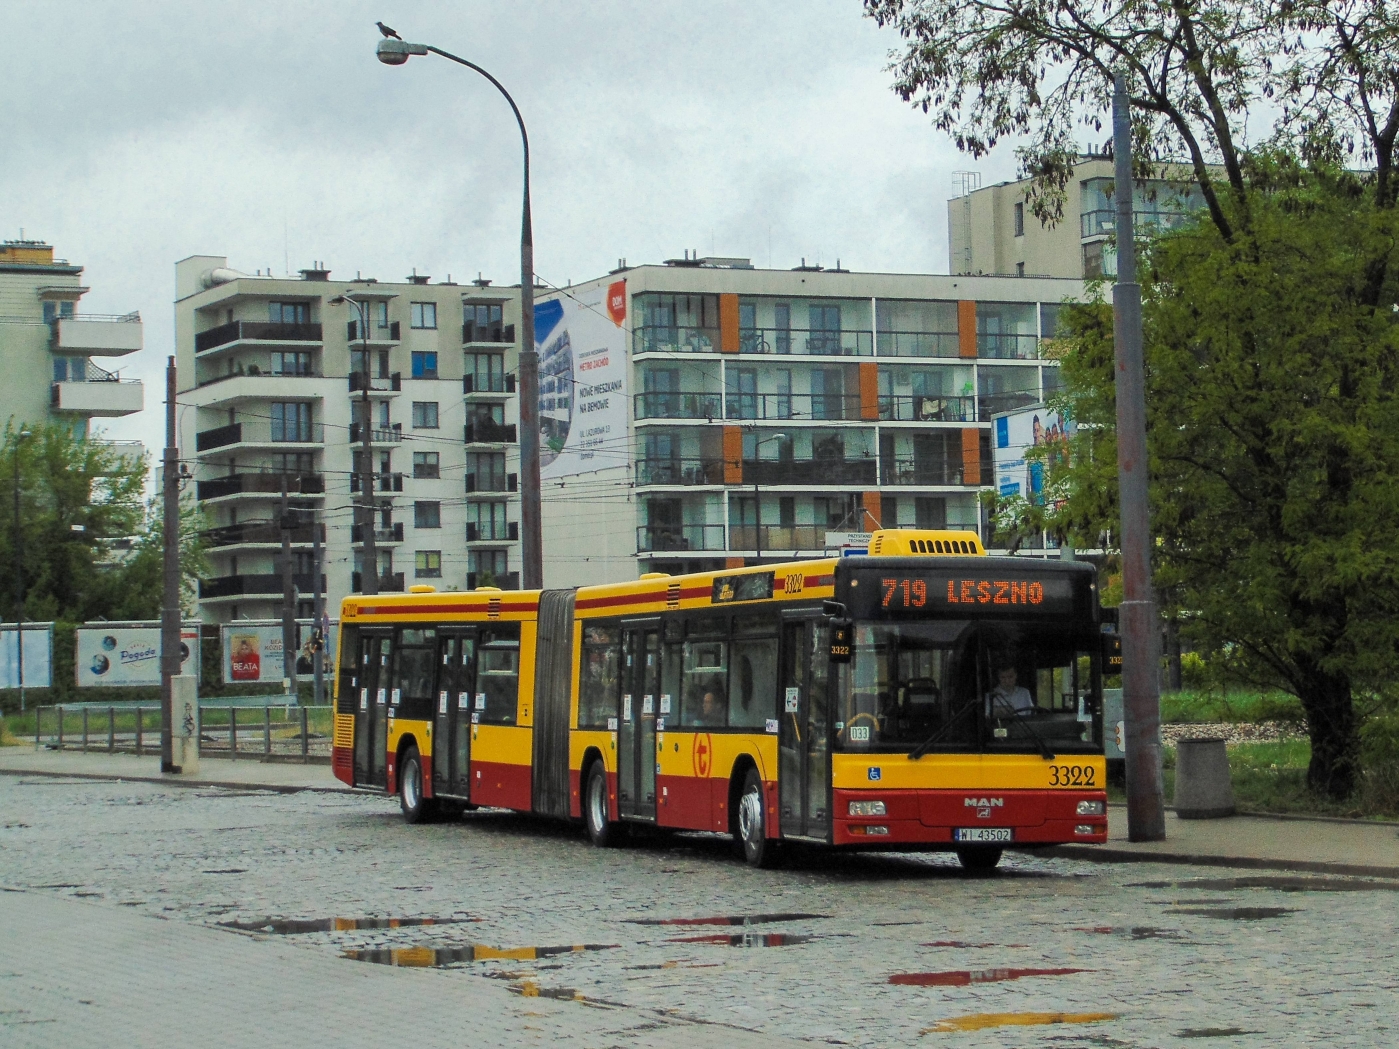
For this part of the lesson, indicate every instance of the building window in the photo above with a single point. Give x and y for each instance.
(424, 315)
(289, 312)
(1020, 269)
(424, 415)
(381, 313)
(487, 563)
(1020, 218)
(291, 421)
(70, 369)
(485, 472)
(424, 365)
(488, 519)
(55, 310)
(291, 362)
(427, 564)
(425, 464)
(487, 371)
(427, 515)
(930, 512)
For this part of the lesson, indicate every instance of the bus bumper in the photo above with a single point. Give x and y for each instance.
(933, 817)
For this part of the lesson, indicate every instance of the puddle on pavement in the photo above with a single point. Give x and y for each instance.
(983, 1021)
(57, 885)
(672, 965)
(1214, 1032)
(229, 870)
(436, 957)
(749, 939)
(728, 919)
(1236, 914)
(965, 945)
(1278, 883)
(297, 926)
(531, 989)
(1136, 932)
(965, 977)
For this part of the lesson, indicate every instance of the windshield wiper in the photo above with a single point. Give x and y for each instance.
(1045, 752)
(928, 743)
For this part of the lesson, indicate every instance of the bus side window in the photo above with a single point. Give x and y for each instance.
(498, 677)
(347, 692)
(414, 667)
(705, 672)
(753, 683)
(598, 675)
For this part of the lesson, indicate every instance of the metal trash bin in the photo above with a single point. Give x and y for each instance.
(1203, 790)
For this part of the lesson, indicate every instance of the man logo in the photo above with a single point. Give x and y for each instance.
(984, 806)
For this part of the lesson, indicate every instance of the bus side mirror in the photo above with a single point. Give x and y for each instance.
(834, 609)
(842, 632)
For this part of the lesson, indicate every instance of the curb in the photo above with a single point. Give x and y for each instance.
(1101, 854)
(172, 781)
(1294, 816)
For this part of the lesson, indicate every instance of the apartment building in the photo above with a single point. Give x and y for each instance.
(63, 366)
(271, 383)
(705, 413)
(991, 231)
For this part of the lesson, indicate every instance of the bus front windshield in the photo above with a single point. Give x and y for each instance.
(955, 686)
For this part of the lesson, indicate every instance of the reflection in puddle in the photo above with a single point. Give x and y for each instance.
(981, 1021)
(1236, 914)
(673, 965)
(749, 939)
(1213, 1032)
(963, 977)
(297, 926)
(1280, 883)
(531, 989)
(1136, 932)
(229, 870)
(964, 944)
(436, 957)
(728, 919)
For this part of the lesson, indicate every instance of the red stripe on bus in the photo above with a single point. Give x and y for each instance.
(422, 610)
(637, 599)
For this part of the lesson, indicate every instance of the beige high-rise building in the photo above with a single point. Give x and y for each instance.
(62, 366)
(270, 376)
(991, 230)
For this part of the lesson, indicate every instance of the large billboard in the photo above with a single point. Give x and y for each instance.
(582, 380)
(38, 656)
(252, 651)
(1017, 432)
(128, 653)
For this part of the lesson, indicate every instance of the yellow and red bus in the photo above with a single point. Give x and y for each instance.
(922, 696)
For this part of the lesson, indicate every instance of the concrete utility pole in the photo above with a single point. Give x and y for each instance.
(1141, 697)
(287, 521)
(19, 575)
(170, 603)
(369, 570)
(318, 611)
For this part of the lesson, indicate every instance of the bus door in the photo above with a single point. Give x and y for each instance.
(636, 736)
(803, 737)
(371, 717)
(456, 684)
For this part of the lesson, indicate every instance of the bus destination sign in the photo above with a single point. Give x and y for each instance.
(879, 593)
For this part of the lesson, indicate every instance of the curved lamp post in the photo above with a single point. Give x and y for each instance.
(395, 52)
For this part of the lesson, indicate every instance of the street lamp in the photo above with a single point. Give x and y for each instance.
(369, 568)
(19, 575)
(757, 498)
(395, 52)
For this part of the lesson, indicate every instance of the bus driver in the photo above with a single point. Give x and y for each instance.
(1009, 699)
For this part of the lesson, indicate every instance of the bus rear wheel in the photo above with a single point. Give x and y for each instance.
(980, 858)
(601, 831)
(758, 849)
(416, 808)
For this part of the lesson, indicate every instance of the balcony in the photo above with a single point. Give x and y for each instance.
(255, 331)
(827, 407)
(383, 482)
(108, 397)
(258, 433)
(488, 384)
(1006, 346)
(389, 583)
(264, 533)
(255, 388)
(677, 405)
(660, 339)
(919, 344)
(662, 538)
(501, 532)
(378, 434)
(389, 334)
(477, 484)
(1104, 220)
(924, 409)
(778, 537)
(992, 403)
(382, 536)
(808, 471)
(926, 472)
(679, 471)
(805, 341)
(380, 384)
(98, 335)
(489, 433)
(260, 484)
(504, 580)
(488, 333)
(253, 585)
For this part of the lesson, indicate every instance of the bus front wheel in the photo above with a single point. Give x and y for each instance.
(982, 858)
(601, 830)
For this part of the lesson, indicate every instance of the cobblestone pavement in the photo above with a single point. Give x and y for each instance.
(876, 950)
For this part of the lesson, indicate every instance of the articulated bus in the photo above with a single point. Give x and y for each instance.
(921, 696)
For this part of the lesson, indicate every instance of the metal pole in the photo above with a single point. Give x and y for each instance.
(140, 717)
(170, 610)
(288, 596)
(19, 577)
(369, 559)
(318, 612)
(1141, 700)
(757, 509)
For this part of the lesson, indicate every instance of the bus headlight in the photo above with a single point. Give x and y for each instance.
(867, 808)
(1091, 808)
(1086, 828)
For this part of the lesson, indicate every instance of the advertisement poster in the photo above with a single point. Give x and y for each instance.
(128, 653)
(581, 340)
(252, 651)
(1017, 432)
(38, 656)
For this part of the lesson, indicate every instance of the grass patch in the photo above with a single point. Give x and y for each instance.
(1207, 706)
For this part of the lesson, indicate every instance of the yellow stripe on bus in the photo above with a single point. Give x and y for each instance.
(968, 772)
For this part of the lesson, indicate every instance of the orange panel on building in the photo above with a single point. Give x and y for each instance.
(872, 510)
(733, 562)
(733, 455)
(869, 390)
(966, 328)
(971, 456)
(728, 323)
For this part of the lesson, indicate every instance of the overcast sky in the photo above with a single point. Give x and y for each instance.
(138, 133)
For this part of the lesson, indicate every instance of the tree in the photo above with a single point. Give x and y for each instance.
(1273, 429)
